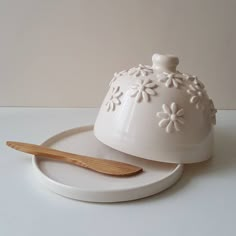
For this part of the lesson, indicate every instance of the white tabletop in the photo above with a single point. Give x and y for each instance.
(202, 203)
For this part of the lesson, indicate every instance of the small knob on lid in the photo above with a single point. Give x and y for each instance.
(164, 62)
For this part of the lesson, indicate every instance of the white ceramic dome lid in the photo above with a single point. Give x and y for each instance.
(158, 113)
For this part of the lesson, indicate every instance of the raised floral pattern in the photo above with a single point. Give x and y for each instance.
(114, 99)
(141, 70)
(198, 84)
(171, 79)
(117, 75)
(142, 90)
(172, 118)
(189, 76)
(197, 96)
(195, 81)
(213, 112)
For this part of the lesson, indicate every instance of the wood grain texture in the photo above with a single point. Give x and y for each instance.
(104, 166)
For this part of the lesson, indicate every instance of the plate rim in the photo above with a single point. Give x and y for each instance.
(53, 185)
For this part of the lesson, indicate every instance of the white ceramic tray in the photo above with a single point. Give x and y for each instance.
(82, 184)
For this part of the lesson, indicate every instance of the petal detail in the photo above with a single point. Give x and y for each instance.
(162, 115)
(151, 85)
(112, 106)
(173, 108)
(162, 78)
(163, 123)
(141, 91)
(169, 83)
(190, 92)
(118, 94)
(145, 96)
(146, 81)
(192, 87)
(180, 120)
(180, 112)
(180, 81)
(134, 86)
(133, 92)
(116, 101)
(166, 109)
(150, 91)
(194, 99)
(178, 76)
(116, 89)
(176, 85)
(170, 127)
(168, 122)
(177, 126)
(138, 97)
(108, 106)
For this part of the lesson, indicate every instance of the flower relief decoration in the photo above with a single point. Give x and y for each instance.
(143, 89)
(171, 79)
(172, 118)
(141, 70)
(194, 79)
(114, 99)
(197, 92)
(213, 112)
(117, 75)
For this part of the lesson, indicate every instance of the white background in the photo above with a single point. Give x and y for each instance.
(64, 52)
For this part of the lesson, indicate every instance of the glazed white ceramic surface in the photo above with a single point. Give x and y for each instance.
(82, 184)
(158, 113)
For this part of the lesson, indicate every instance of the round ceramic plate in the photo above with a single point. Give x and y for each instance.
(82, 184)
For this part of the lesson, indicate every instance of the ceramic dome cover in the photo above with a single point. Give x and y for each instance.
(158, 113)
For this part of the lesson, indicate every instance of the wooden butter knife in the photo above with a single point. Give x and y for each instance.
(104, 166)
